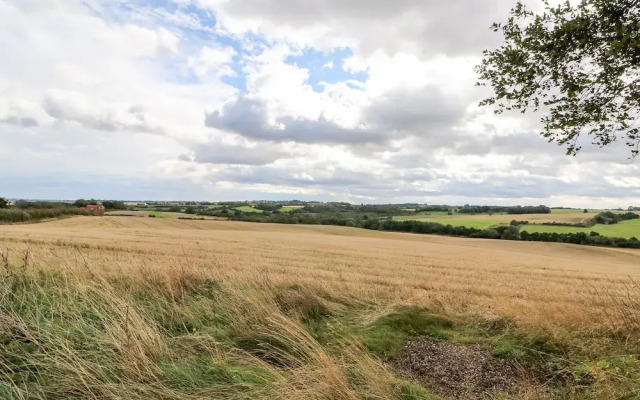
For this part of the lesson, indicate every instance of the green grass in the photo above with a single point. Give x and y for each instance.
(66, 341)
(413, 391)
(160, 214)
(624, 229)
(385, 337)
(191, 374)
(290, 208)
(470, 223)
(248, 209)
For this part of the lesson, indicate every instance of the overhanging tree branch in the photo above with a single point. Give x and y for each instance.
(580, 64)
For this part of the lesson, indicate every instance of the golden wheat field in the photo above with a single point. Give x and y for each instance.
(555, 282)
(130, 307)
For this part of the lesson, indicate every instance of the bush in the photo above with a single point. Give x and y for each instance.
(511, 233)
(14, 216)
(113, 205)
(529, 210)
(24, 205)
(608, 217)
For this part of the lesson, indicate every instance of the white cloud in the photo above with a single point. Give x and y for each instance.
(211, 59)
(76, 107)
(125, 93)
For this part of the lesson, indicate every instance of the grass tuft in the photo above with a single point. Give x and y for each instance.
(385, 336)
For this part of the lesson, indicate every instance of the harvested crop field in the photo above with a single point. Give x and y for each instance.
(492, 276)
(304, 283)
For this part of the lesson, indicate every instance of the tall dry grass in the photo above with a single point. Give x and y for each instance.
(167, 334)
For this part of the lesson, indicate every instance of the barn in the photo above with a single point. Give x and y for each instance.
(97, 209)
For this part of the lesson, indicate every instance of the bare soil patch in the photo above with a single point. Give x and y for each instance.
(459, 372)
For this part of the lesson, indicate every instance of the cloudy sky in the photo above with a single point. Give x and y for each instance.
(348, 100)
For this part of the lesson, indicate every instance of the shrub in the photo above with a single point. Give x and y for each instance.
(14, 216)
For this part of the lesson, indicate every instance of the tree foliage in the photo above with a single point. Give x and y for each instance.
(578, 65)
(84, 203)
(80, 203)
(115, 205)
(3, 202)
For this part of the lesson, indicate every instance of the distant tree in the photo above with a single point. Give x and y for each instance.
(541, 209)
(579, 64)
(92, 202)
(114, 205)
(191, 210)
(21, 204)
(511, 233)
(80, 203)
(3, 203)
(585, 211)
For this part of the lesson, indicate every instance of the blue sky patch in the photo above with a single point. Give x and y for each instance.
(325, 67)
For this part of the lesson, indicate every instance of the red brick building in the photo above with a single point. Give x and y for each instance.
(97, 209)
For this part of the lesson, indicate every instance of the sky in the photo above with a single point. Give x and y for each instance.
(335, 100)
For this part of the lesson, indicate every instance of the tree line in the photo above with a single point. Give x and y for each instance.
(541, 209)
(23, 211)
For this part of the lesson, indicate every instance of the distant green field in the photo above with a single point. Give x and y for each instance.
(427, 215)
(290, 208)
(248, 209)
(470, 223)
(159, 214)
(624, 229)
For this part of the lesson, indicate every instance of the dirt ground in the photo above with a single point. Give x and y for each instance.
(459, 372)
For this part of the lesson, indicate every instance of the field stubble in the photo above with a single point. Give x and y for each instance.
(107, 267)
